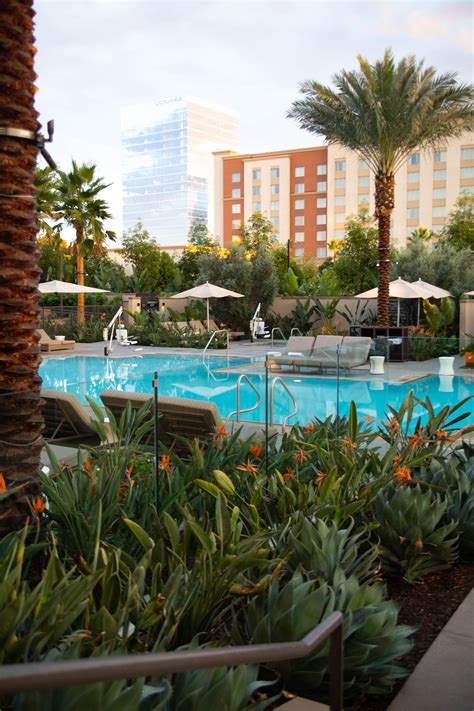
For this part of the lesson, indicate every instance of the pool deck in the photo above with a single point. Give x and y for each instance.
(395, 372)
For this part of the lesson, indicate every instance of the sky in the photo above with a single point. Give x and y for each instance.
(95, 56)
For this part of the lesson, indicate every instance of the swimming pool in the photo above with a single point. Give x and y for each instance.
(190, 377)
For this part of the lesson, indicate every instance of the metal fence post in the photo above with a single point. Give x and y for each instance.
(157, 445)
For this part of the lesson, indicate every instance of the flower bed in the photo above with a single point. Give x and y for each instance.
(242, 549)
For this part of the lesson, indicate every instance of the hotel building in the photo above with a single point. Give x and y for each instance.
(167, 164)
(309, 193)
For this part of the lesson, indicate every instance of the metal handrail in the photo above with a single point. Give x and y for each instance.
(34, 676)
(238, 411)
(295, 328)
(213, 335)
(276, 328)
(285, 387)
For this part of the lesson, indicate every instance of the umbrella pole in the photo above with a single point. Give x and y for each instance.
(398, 312)
(207, 300)
(419, 301)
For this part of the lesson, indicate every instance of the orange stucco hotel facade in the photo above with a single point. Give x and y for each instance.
(288, 187)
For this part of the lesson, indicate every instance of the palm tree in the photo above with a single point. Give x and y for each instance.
(385, 112)
(80, 206)
(20, 404)
(335, 245)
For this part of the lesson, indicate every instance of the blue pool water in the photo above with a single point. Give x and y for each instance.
(189, 377)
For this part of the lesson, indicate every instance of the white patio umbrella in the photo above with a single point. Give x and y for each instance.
(64, 287)
(436, 292)
(469, 293)
(207, 291)
(399, 289)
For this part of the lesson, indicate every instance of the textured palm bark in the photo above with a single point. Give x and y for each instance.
(20, 406)
(384, 204)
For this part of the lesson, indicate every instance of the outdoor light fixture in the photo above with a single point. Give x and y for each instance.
(37, 138)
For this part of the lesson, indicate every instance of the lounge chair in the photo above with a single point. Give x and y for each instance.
(351, 351)
(197, 326)
(178, 416)
(49, 344)
(211, 325)
(67, 420)
(298, 349)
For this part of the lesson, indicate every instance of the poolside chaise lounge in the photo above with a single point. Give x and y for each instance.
(327, 350)
(298, 349)
(211, 325)
(49, 344)
(68, 421)
(197, 326)
(178, 416)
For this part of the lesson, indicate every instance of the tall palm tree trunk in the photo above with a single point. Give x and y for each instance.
(384, 204)
(20, 405)
(80, 273)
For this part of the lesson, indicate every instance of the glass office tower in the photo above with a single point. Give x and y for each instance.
(167, 161)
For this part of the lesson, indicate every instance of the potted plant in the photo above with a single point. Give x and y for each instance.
(468, 351)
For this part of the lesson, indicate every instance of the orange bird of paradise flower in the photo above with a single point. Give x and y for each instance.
(248, 467)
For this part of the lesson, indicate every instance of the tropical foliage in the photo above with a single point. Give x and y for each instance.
(385, 112)
(247, 546)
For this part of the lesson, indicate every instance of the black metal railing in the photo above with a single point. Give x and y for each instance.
(34, 676)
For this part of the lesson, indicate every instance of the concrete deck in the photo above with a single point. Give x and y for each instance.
(443, 680)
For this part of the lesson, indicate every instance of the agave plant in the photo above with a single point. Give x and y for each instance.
(455, 477)
(372, 640)
(413, 539)
(324, 551)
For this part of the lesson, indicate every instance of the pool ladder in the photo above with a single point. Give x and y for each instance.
(275, 381)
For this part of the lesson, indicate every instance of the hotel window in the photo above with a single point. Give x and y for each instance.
(235, 192)
(299, 220)
(299, 236)
(299, 187)
(320, 219)
(363, 165)
(363, 199)
(275, 221)
(439, 174)
(321, 186)
(363, 181)
(256, 190)
(413, 195)
(320, 235)
(257, 206)
(439, 194)
(274, 205)
(467, 173)
(340, 183)
(275, 189)
(321, 251)
(467, 153)
(236, 224)
(236, 208)
(321, 202)
(340, 200)
(274, 172)
(299, 171)
(414, 159)
(256, 174)
(439, 211)
(321, 169)
(467, 190)
(340, 217)
(413, 213)
(339, 234)
(439, 156)
(340, 166)
(413, 177)
(299, 204)
(299, 252)
(236, 177)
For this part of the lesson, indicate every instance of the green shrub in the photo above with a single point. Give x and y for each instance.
(413, 539)
(285, 612)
